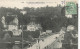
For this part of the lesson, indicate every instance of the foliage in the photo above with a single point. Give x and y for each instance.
(49, 17)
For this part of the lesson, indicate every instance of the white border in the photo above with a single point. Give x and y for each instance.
(78, 24)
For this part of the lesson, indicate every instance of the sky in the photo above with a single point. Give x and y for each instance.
(30, 3)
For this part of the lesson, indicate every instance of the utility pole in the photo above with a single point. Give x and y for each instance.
(23, 12)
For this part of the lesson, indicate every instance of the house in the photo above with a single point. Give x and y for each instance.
(32, 26)
(13, 24)
(48, 31)
(3, 21)
(17, 32)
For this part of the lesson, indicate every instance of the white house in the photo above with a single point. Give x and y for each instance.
(32, 26)
(48, 31)
(17, 32)
(12, 27)
(13, 24)
(3, 21)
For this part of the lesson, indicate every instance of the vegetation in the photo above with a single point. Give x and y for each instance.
(49, 17)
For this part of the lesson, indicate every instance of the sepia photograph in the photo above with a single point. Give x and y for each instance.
(39, 24)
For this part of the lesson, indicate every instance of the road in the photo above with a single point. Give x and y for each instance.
(48, 42)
